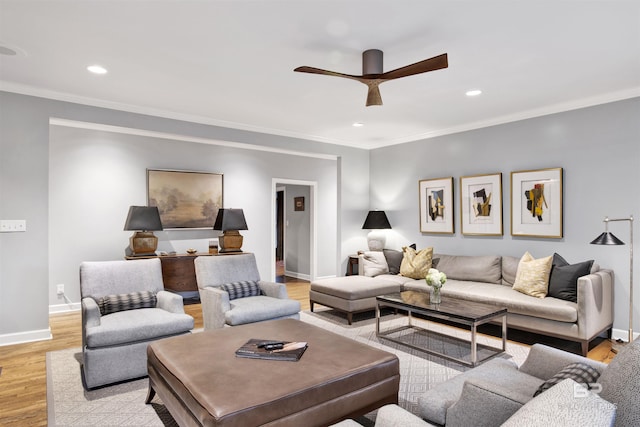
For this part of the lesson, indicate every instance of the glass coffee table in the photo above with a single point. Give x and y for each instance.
(468, 313)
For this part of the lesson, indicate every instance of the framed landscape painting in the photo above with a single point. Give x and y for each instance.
(481, 205)
(536, 203)
(436, 205)
(185, 199)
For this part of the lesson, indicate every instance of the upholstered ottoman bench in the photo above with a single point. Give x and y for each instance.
(202, 382)
(352, 294)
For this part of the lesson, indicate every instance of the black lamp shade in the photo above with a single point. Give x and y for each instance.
(230, 219)
(607, 238)
(143, 218)
(376, 220)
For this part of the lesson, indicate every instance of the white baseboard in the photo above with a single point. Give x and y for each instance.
(297, 275)
(63, 308)
(622, 334)
(24, 337)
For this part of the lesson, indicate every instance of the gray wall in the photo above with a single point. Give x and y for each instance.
(94, 177)
(26, 289)
(599, 150)
(298, 223)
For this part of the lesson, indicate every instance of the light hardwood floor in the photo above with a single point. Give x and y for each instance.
(23, 376)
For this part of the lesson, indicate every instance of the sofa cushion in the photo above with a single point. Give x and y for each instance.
(532, 277)
(242, 289)
(259, 308)
(475, 268)
(560, 407)
(131, 301)
(579, 372)
(563, 280)
(416, 264)
(620, 384)
(503, 296)
(509, 269)
(374, 263)
(125, 327)
(355, 287)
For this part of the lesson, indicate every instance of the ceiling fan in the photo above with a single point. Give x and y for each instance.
(373, 76)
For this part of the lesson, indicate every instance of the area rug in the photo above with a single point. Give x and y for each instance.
(123, 404)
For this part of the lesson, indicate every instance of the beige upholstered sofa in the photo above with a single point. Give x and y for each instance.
(488, 279)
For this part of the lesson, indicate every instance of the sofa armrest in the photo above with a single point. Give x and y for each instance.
(215, 303)
(484, 404)
(544, 362)
(561, 405)
(170, 302)
(90, 313)
(274, 290)
(595, 303)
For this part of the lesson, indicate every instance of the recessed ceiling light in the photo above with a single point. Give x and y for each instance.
(97, 69)
(474, 92)
(358, 125)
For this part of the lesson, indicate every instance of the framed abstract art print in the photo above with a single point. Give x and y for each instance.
(481, 205)
(536, 203)
(436, 205)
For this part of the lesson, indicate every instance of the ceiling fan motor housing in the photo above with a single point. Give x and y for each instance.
(372, 62)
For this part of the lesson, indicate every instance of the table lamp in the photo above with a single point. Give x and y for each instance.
(229, 221)
(608, 238)
(376, 220)
(143, 220)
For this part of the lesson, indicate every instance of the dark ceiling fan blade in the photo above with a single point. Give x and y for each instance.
(431, 64)
(312, 70)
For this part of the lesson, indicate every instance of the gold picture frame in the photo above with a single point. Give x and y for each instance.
(185, 199)
(536, 203)
(481, 205)
(436, 205)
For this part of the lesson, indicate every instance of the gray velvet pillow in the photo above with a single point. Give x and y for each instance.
(563, 281)
(394, 259)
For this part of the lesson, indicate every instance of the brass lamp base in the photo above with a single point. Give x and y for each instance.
(230, 241)
(143, 243)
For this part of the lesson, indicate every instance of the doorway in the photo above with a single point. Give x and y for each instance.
(293, 233)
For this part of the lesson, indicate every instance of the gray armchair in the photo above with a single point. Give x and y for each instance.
(232, 293)
(124, 307)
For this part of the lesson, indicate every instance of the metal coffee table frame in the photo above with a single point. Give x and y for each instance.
(440, 312)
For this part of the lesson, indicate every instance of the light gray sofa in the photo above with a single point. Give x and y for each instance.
(487, 279)
(213, 273)
(498, 393)
(114, 345)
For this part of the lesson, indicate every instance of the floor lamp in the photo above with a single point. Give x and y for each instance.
(608, 238)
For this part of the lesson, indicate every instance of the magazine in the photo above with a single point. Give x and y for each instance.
(257, 348)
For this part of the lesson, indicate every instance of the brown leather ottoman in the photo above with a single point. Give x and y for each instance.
(202, 382)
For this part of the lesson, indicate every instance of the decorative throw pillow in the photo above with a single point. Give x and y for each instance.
(579, 372)
(416, 264)
(563, 281)
(394, 259)
(121, 302)
(374, 263)
(243, 289)
(532, 277)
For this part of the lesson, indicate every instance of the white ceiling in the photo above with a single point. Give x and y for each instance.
(230, 63)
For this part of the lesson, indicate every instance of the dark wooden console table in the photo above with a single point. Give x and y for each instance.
(179, 274)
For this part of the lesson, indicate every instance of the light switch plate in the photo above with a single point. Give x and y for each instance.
(13, 225)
